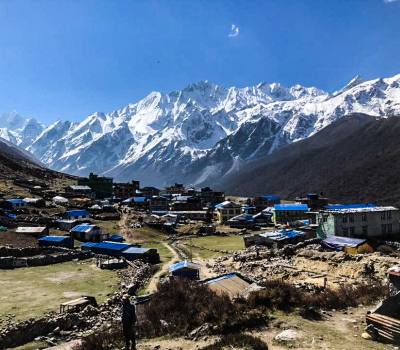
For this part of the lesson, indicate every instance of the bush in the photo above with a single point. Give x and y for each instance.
(242, 341)
(284, 296)
(180, 306)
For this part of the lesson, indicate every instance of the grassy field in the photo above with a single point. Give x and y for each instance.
(229, 243)
(30, 292)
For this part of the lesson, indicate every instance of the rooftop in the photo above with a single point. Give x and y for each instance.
(291, 207)
(360, 210)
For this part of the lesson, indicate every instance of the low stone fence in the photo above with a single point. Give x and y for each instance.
(29, 257)
(54, 328)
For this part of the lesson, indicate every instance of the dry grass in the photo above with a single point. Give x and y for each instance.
(30, 292)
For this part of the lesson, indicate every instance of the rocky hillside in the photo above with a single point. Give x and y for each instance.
(354, 159)
(18, 163)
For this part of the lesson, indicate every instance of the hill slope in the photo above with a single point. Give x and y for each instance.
(353, 159)
(18, 163)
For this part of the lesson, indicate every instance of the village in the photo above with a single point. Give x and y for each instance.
(69, 251)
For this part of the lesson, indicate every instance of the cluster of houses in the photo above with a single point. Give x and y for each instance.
(99, 198)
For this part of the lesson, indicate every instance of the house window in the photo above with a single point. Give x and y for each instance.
(384, 227)
(352, 230)
(365, 230)
(345, 231)
(351, 218)
(364, 217)
(344, 219)
(383, 215)
(389, 215)
(389, 228)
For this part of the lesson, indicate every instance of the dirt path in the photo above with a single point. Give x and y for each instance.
(152, 287)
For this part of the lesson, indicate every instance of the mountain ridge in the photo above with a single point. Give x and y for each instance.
(200, 133)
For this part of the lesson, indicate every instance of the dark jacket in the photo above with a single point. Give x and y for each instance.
(128, 313)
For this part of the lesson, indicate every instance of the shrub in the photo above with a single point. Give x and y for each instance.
(243, 341)
(284, 296)
(180, 306)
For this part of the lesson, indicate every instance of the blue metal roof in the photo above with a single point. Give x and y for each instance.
(183, 264)
(135, 200)
(224, 277)
(271, 197)
(349, 206)
(83, 228)
(279, 235)
(243, 217)
(291, 207)
(338, 243)
(54, 238)
(106, 245)
(16, 201)
(116, 238)
(77, 213)
(135, 250)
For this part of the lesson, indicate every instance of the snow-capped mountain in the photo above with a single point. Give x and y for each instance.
(202, 132)
(19, 130)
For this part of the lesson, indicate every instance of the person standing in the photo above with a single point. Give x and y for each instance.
(128, 323)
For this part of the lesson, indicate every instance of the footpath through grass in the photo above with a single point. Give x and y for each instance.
(31, 292)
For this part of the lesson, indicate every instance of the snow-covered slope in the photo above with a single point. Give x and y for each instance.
(203, 131)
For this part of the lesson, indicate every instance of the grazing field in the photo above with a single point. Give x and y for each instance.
(220, 243)
(30, 292)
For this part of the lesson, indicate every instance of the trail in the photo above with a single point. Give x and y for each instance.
(152, 287)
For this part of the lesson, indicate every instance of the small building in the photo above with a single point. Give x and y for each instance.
(79, 191)
(76, 214)
(263, 202)
(288, 213)
(208, 197)
(242, 221)
(185, 269)
(56, 241)
(60, 200)
(177, 188)
(149, 255)
(116, 238)
(126, 190)
(347, 245)
(36, 202)
(185, 203)
(106, 248)
(150, 191)
(66, 225)
(123, 250)
(158, 204)
(17, 202)
(33, 231)
(101, 185)
(136, 202)
(226, 210)
(195, 215)
(359, 221)
(315, 201)
(276, 239)
(232, 284)
(88, 233)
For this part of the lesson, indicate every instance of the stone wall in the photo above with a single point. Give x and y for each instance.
(54, 328)
(29, 257)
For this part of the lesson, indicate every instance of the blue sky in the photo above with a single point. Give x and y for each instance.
(67, 59)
